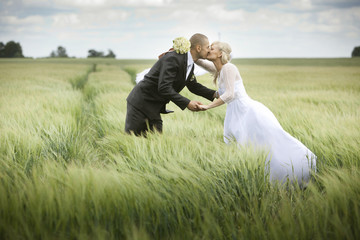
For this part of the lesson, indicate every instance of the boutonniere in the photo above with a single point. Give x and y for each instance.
(192, 78)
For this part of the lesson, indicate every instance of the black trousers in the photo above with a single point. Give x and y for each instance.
(138, 123)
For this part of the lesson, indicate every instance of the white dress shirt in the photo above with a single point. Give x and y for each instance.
(190, 63)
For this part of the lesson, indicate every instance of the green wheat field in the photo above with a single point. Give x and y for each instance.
(69, 171)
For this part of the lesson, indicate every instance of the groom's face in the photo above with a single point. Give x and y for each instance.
(205, 49)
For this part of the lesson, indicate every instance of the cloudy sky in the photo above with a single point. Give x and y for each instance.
(145, 28)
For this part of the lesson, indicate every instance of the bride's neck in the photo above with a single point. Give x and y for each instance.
(218, 64)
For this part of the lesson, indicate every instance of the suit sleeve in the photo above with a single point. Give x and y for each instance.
(200, 89)
(168, 72)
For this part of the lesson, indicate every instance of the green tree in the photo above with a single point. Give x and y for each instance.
(52, 54)
(10, 50)
(111, 54)
(356, 52)
(94, 53)
(61, 52)
(2, 46)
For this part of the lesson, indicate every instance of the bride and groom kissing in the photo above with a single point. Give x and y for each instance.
(246, 121)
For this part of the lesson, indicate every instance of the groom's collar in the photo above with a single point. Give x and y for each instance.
(190, 60)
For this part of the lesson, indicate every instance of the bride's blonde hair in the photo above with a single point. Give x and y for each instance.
(225, 49)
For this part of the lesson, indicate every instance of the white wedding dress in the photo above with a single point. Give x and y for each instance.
(249, 122)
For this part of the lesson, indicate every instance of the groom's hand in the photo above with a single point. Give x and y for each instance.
(194, 106)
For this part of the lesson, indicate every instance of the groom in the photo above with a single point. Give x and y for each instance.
(169, 75)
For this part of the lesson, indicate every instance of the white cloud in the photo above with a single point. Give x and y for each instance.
(295, 5)
(218, 12)
(65, 20)
(34, 2)
(14, 20)
(110, 3)
(144, 28)
(333, 21)
(79, 3)
(147, 2)
(90, 19)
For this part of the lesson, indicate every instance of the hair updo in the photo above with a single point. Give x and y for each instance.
(225, 49)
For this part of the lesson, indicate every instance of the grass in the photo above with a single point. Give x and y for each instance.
(68, 170)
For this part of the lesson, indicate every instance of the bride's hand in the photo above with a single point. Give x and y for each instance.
(203, 107)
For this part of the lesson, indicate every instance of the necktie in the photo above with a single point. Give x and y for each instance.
(188, 73)
(190, 68)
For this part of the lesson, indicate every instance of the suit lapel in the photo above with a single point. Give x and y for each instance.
(185, 67)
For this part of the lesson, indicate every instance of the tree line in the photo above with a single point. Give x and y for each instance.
(13, 49)
(10, 50)
(61, 52)
(356, 52)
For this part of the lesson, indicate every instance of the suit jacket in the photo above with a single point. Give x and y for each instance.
(163, 83)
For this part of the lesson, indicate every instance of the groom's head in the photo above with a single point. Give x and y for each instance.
(199, 46)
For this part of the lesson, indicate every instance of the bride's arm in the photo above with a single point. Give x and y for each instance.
(228, 77)
(216, 103)
(207, 65)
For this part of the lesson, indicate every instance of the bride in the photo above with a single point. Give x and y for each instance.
(250, 122)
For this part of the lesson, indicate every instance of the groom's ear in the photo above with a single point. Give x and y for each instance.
(198, 48)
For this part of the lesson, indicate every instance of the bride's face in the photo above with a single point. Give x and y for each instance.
(214, 52)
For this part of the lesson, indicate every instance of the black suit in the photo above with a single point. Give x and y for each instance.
(161, 84)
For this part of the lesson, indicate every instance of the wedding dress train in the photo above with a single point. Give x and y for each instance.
(249, 122)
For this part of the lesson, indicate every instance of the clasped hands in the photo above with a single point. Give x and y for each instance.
(197, 106)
